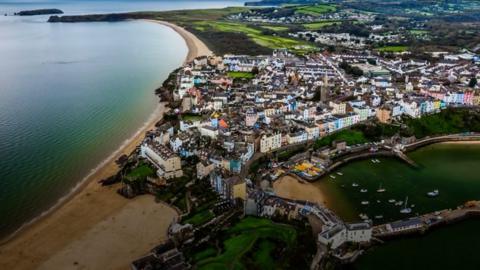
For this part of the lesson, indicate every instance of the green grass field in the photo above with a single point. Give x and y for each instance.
(315, 10)
(251, 240)
(319, 25)
(268, 41)
(240, 75)
(141, 172)
(394, 49)
(275, 28)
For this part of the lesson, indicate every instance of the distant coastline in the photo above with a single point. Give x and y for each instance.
(34, 12)
(41, 235)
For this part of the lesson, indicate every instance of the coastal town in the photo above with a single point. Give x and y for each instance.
(270, 104)
(237, 123)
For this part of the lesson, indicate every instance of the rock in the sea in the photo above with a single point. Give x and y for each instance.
(39, 12)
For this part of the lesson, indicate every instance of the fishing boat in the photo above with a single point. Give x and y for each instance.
(339, 173)
(405, 209)
(363, 190)
(365, 202)
(391, 201)
(434, 193)
(378, 216)
(363, 216)
(399, 203)
(354, 185)
(381, 189)
(332, 176)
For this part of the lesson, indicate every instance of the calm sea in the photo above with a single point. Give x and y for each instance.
(70, 94)
(453, 169)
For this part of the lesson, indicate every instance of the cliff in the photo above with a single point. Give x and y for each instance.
(112, 17)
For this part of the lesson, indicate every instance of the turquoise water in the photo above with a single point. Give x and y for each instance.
(453, 169)
(70, 94)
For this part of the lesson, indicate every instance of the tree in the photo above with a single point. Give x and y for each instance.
(473, 82)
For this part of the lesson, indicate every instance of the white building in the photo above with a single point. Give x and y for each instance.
(270, 142)
(168, 164)
(359, 232)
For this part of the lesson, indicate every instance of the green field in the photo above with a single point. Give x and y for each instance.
(394, 49)
(319, 25)
(275, 28)
(240, 75)
(251, 242)
(315, 10)
(140, 173)
(268, 41)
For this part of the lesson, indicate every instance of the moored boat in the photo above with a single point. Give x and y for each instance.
(434, 193)
(405, 209)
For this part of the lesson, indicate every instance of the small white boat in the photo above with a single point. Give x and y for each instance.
(373, 161)
(405, 209)
(377, 160)
(378, 216)
(412, 206)
(354, 185)
(391, 201)
(434, 193)
(363, 190)
(365, 202)
(378, 201)
(332, 176)
(363, 216)
(380, 189)
(339, 173)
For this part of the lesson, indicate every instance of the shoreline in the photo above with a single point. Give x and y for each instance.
(295, 188)
(47, 234)
(195, 46)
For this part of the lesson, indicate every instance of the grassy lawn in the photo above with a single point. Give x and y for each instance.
(275, 28)
(392, 49)
(263, 257)
(319, 25)
(268, 41)
(253, 240)
(419, 32)
(141, 172)
(240, 75)
(316, 9)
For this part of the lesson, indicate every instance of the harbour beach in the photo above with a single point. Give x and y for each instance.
(290, 187)
(60, 238)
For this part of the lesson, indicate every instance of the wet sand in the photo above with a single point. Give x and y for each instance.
(294, 188)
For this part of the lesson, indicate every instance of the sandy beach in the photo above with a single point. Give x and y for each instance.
(195, 46)
(94, 227)
(294, 188)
